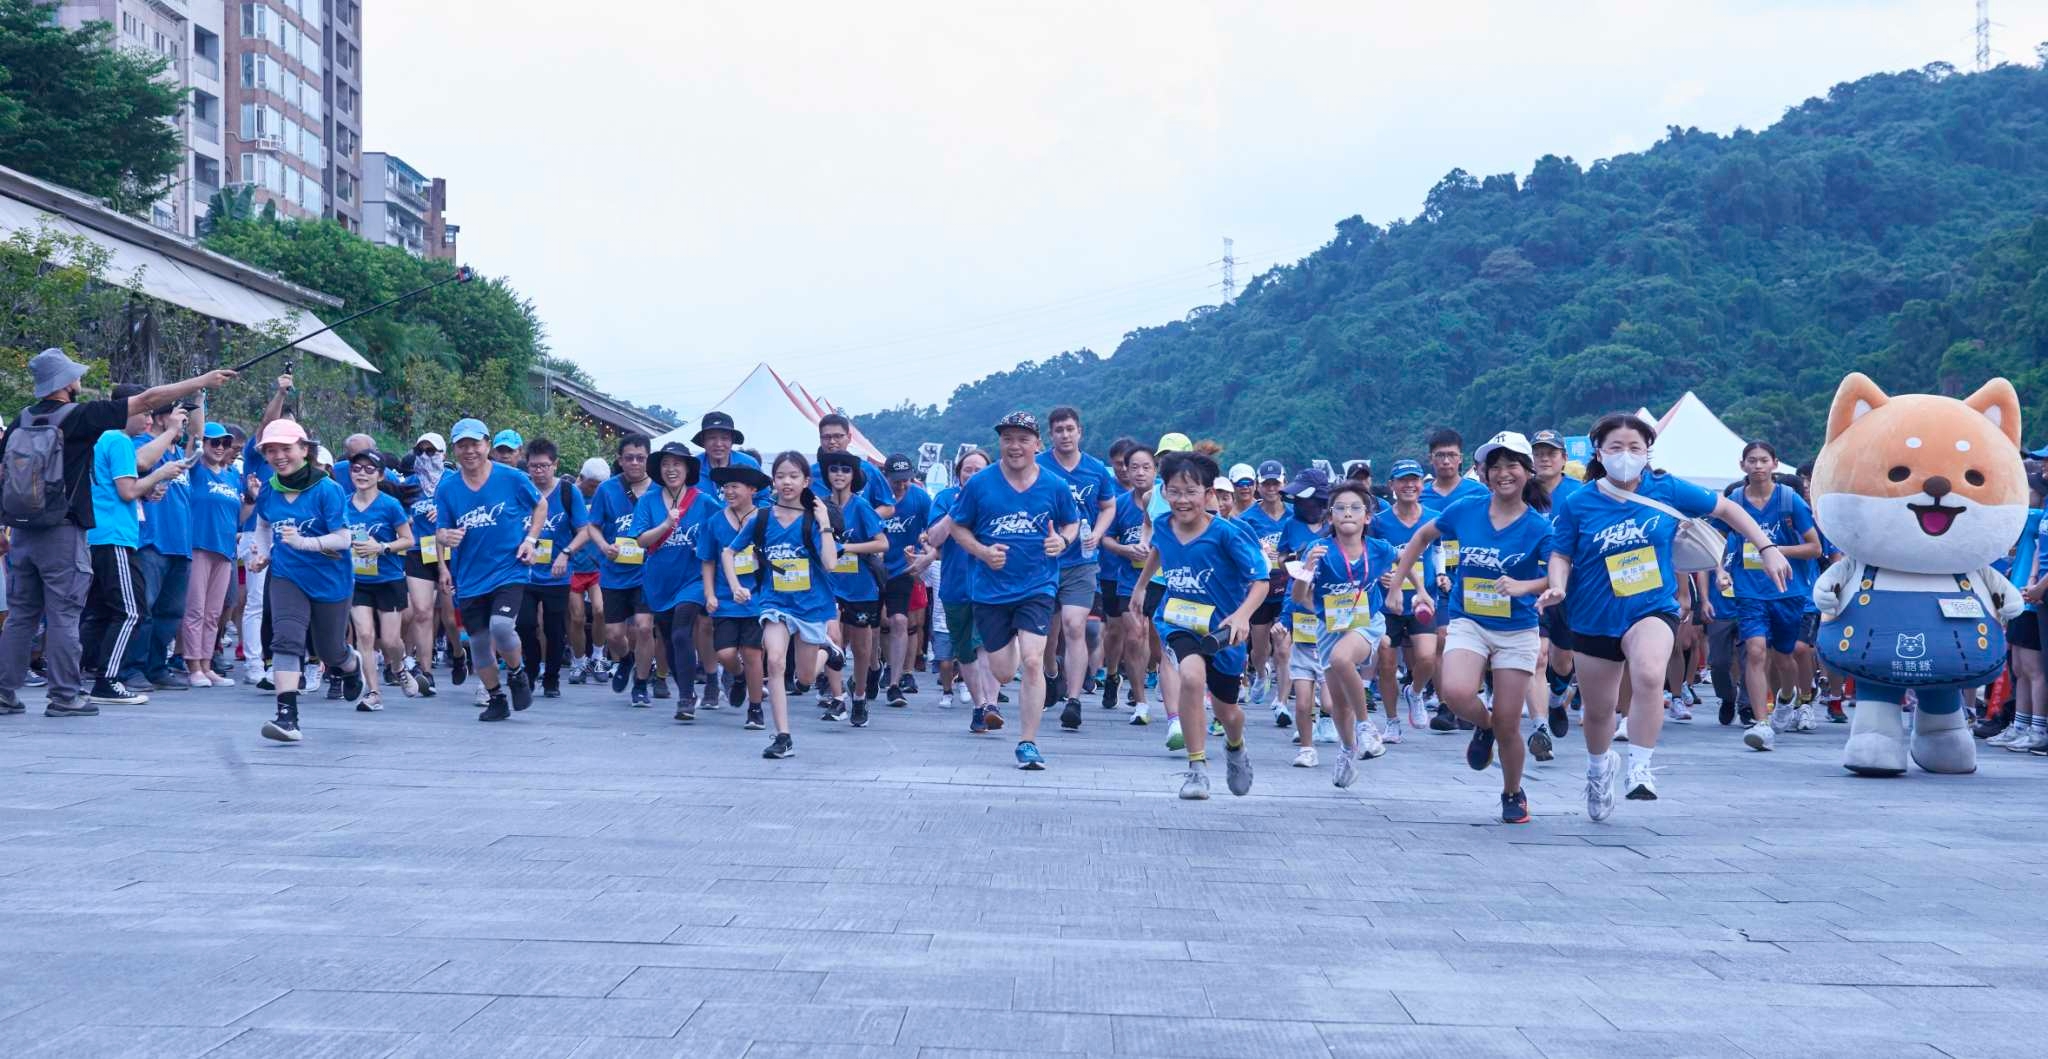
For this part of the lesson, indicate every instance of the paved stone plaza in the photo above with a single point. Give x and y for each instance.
(594, 880)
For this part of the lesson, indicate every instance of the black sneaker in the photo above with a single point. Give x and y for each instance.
(1070, 715)
(1747, 716)
(660, 686)
(1479, 752)
(114, 693)
(284, 728)
(643, 696)
(735, 690)
(1514, 808)
(622, 674)
(72, 708)
(835, 710)
(458, 666)
(686, 712)
(780, 748)
(1088, 684)
(1540, 746)
(9, 705)
(551, 687)
(497, 709)
(334, 693)
(754, 720)
(1109, 690)
(897, 697)
(1442, 720)
(424, 678)
(520, 683)
(1727, 713)
(351, 684)
(860, 713)
(1052, 688)
(874, 685)
(908, 683)
(1560, 721)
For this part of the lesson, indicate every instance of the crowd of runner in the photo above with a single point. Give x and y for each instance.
(153, 551)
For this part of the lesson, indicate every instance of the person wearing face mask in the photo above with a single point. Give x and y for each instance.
(420, 478)
(1611, 568)
(1309, 492)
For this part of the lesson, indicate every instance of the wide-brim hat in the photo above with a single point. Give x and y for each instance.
(51, 371)
(829, 460)
(675, 450)
(743, 474)
(717, 421)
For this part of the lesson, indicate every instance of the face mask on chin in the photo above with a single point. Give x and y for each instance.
(1625, 466)
(1311, 511)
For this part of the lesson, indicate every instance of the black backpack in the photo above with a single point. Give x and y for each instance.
(33, 493)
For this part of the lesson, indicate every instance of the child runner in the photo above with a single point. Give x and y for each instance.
(1343, 592)
(735, 625)
(854, 586)
(1129, 544)
(795, 539)
(382, 534)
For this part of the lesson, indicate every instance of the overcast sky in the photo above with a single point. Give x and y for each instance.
(886, 200)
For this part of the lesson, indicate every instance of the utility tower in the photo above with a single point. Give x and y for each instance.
(1983, 35)
(1229, 283)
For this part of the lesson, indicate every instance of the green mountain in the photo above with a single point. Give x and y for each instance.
(1889, 228)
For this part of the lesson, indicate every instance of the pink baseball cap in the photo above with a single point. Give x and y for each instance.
(282, 432)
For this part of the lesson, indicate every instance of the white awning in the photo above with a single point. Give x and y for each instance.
(183, 280)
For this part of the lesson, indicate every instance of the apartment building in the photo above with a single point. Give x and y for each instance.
(404, 208)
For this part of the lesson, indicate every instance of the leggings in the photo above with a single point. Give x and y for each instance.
(206, 594)
(294, 617)
(544, 614)
(679, 632)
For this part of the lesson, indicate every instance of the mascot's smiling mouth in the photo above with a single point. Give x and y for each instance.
(1935, 519)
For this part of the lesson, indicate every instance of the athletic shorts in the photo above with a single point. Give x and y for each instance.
(960, 633)
(1776, 621)
(920, 596)
(810, 632)
(860, 614)
(622, 604)
(1504, 649)
(386, 596)
(477, 611)
(896, 595)
(1269, 611)
(582, 581)
(2025, 631)
(729, 633)
(1326, 643)
(1105, 584)
(1551, 624)
(1809, 625)
(1608, 648)
(423, 571)
(1114, 604)
(1151, 597)
(1077, 585)
(1400, 627)
(1223, 687)
(999, 623)
(1305, 661)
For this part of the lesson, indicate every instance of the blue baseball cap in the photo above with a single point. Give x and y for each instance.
(508, 439)
(1406, 469)
(466, 429)
(1272, 471)
(215, 430)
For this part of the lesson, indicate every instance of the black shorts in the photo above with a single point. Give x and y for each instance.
(1400, 627)
(1151, 598)
(1114, 604)
(1223, 687)
(424, 571)
(999, 623)
(1554, 629)
(2025, 630)
(1269, 611)
(386, 596)
(1809, 628)
(728, 633)
(623, 604)
(1609, 647)
(896, 594)
(477, 611)
(860, 614)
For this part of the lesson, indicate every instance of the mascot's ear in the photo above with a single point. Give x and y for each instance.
(1856, 396)
(2000, 404)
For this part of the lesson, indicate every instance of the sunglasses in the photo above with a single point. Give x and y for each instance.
(220, 443)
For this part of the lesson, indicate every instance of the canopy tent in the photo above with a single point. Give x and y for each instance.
(1695, 445)
(773, 416)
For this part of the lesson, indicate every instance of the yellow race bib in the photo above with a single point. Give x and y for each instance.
(430, 550)
(847, 564)
(1306, 627)
(1189, 614)
(743, 561)
(630, 553)
(1634, 572)
(1450, 554)
(1340, 610)
(366, 565)
(792, 575)
(544, 552)
(1751, 560)
(1484, 597)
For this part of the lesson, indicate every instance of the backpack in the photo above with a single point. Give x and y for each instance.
(33, 493)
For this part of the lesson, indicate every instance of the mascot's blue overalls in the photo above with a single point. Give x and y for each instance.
(1934, 643)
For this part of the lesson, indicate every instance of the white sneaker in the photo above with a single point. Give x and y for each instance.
(962, 695)
(1809, 717)
(1759, 736)
(1325, 730)
(1305, 758)
(1621, 728)
(1393, 736)
(1784, 717)
(1412, 707)
(1600, 786)
(1676, 709)
(2031, 739)
(2006, 736)
(483, 698)
(223, 680)
(1370, 745)
(1642, 786)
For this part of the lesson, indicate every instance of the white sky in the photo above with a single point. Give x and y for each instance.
(885, 200)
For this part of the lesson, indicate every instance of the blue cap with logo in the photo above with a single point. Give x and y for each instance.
(216, 430)
(507, 439)
(1272, 471)
(1406, 469)
(468, 429)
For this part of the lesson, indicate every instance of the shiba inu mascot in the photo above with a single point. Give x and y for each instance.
(1922, 493)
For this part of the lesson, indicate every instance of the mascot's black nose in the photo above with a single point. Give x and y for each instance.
(1937, 486)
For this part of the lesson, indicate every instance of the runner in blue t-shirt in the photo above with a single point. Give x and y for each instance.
(1016, 519)
(628, 621)
(1610, 566)
(1127, 546)
(1266, 518)
(1094, 489)
(1446, 484)
(910, 517)
(835, 434)
(669, 523)
(1344, 589)
(956, 594)
(302, 541)
(1770, 618)
(1216, 577)
(381, 533)
(489, 518)
(856, 586)
(735, 625)
(1411, 631)
(545, 616)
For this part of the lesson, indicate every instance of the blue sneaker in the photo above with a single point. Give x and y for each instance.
(977, 725)
(1152, 680)
(1028, 757)
(1479, 752)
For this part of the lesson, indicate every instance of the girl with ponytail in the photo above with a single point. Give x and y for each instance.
(796, 546)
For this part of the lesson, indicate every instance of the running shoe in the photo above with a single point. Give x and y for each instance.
(1514, 808)
(2029, 740)
(551, 687)
(1194, 784)
(782, 747)
(459, 665)
(1258, 690)
(1028, 757)
(622, 674)
(1370, 744)
(874, 683)
(1070, 715)
(860, 713)
(1809, 718)
(835, 710)
(643, 697)
(1281, 717)
(1676, 709)
(909, 683)
(1305, 758)
(1621, 728)
(69, 708)
(2007, 737)
(284, 728)
(1642, 786)
(660, 686)
(1727, 713)
(1237, 770)
(1151, 679)
(370, 703)
(1393, 736)
(1560, 719)
(579, 671)
(962, 695)
(897, 698)
(735, 689)
(755, 722)
(1783, 718)
(1216, 729)
(1479, 752)
(520, 683)
(978, 723)
(1110, 685)
(1600, 778)
(1540, 746)
(685, 712)
(9, 705)
(1325, 730)
(496, 709)
(1759, 737)
(1141, 713)
(1174, 739)
(1347, 771)
(403, 681)
(1443, 721)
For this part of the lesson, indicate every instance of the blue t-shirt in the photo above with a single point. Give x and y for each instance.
(585, 559)
(851, 580)
(611, 511)
(316, 512)
(794, 577)
(905, 527)
(1784, 518)
(872, 488)
(1566, 486)
(495, 517)
(673, 572)
(1388, 527)
(1126, 527)
(115, 521)
(2022, 572)
(1091, 483)
(1296, 538)
(956, 567)
(378, 522)
(560, 529)
(421, 508)
(998, 513)
(718, 535)
(1434, 502)
(2040, 548)
(1621, 553)
(1521, 551)
(167, 523)
(1266, 528)
(1347, 592)
(216, 507)
(1207, 580)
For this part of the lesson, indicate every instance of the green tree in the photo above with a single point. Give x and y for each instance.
(77, 109)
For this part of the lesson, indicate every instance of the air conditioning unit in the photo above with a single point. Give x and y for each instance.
(268, 143)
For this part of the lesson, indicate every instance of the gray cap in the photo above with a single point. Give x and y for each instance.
(51, 371)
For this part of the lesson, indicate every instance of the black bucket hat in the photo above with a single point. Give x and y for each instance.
(745, 474)
(717, 421)
(674, 450)
(829, 460)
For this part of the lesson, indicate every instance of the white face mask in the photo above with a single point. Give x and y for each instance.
(1625, 466)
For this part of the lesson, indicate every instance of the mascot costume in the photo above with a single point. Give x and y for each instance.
(1922, 493)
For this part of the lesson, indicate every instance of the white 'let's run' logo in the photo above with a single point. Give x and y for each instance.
(224, 490)
(1625, 534)
(784, 550)
(479, 517)
(1489, 558)
(1183, 581)
(1016, 524)
(682, 538)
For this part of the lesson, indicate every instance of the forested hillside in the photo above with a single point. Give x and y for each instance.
(1890, 228)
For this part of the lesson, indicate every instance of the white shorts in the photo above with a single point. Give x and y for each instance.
(1305, 660)
(1516, 650)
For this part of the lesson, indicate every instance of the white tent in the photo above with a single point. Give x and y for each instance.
(1695, 445)
(773, 416)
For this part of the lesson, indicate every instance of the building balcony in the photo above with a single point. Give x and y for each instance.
(203, 66)
(205, 130)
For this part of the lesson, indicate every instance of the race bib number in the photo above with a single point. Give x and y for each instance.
(1966, 607)
(430, 550)
(1484, 597)
(1306, 627)
(1751, 559)
(630, 553)
(743, 561)
(792, 575)
(366, 565)
(1634, 572)
(1189, 614)
(1340, 610)
(847, 564)
(1450, 554)
(544, 552)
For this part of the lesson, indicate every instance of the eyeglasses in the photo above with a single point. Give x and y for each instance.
(1347, 509)
(639, 458)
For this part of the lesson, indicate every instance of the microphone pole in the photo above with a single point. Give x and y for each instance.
(462, 275)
